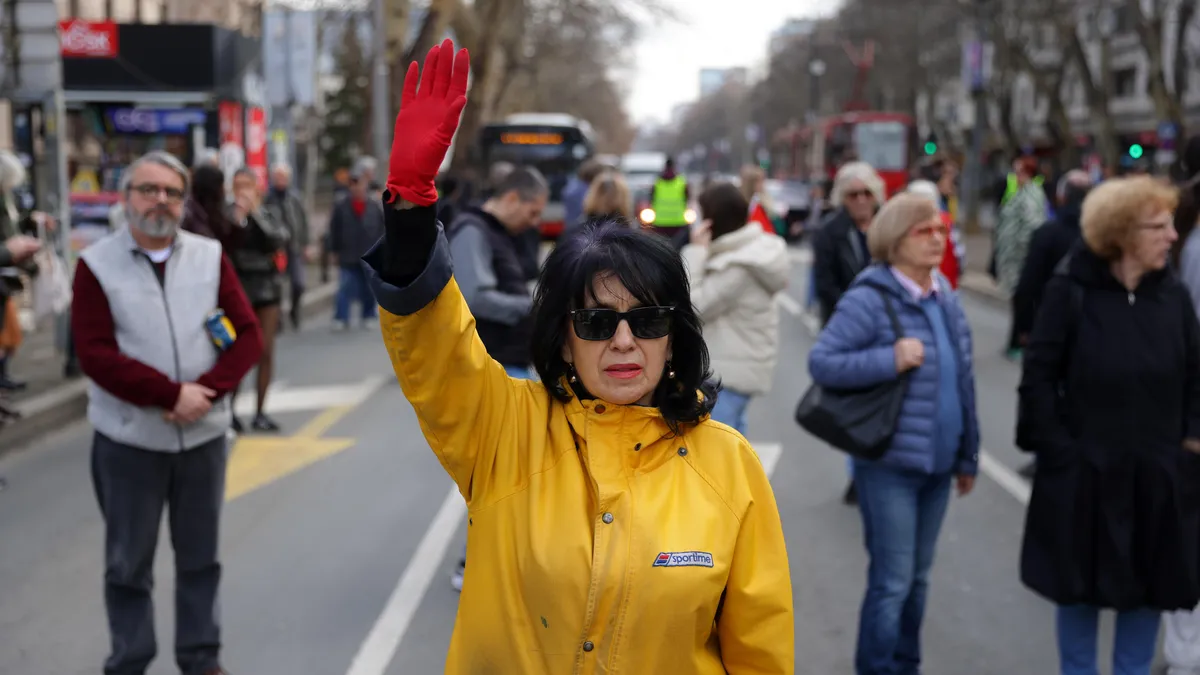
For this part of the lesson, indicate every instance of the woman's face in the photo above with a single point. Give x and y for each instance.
(859, 201)
(1153, 238)
(924, 245)
(622, 369)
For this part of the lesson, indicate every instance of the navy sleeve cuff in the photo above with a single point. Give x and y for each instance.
(424, 289)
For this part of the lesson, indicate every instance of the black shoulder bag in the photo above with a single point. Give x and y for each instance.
(859, 422)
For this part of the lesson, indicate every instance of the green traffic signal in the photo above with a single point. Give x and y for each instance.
(1136, 151)
(930, 148)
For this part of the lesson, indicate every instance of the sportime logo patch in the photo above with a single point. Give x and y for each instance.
(684, 559)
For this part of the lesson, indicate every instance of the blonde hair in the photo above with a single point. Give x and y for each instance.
(894, 220)
(12, 171)
(608, 195)
(1113, 210)
(857, 171)
(752, 179)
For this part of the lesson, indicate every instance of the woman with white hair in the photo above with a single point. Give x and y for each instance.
(18, 249)
(840, 245)
(952, 261)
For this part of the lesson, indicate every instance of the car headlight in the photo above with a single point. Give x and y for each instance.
(689, 216)
(647, 216)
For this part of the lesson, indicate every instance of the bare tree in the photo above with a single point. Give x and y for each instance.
(1152, 27)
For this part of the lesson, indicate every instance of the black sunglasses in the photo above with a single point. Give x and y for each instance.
(646, 323)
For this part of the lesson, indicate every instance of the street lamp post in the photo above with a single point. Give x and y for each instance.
(816, 69)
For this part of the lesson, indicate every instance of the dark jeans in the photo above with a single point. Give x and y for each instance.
(132, 487)
(902, 513)
(1134, 641)
(352, 285)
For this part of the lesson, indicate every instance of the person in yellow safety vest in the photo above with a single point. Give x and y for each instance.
(669, 200)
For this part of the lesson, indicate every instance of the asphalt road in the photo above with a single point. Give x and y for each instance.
(339, 538)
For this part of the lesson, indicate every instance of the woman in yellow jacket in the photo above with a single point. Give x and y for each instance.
(613, 527)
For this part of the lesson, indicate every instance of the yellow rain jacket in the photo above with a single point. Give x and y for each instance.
(598, 542)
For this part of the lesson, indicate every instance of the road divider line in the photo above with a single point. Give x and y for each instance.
(379, 648)
(1005, 477)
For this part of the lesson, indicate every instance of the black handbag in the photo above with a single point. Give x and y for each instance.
(859, 422)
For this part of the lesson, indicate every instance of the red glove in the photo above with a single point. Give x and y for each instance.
(426, 123)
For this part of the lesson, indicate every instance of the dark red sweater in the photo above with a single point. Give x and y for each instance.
(135, 382)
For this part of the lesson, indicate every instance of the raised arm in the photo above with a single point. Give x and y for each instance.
(468, 408)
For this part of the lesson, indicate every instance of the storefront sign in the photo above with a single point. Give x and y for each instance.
(151, 121)
(88, 39)
(256, 144)
(230, 114)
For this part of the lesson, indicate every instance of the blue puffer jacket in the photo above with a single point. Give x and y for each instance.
(855, 350)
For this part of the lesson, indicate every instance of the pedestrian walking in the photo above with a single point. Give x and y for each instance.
(612, 525)
(151, 304)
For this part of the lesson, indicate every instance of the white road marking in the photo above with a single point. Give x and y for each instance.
(284, 399)
(380, 647)
(381, 644)
(768, 454)
(1005, 477)
(788, 304)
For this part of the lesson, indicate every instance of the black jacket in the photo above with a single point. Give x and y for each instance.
(1047, 247)
(838, 256)
(1109, 391)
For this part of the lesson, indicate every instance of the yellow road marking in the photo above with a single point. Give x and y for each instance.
(260, 460)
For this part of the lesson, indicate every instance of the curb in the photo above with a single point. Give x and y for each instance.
(67, 403)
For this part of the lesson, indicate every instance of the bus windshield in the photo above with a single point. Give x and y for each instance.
(883, 145)
(556, 152)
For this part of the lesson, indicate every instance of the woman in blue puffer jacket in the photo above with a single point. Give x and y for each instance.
(903, 495)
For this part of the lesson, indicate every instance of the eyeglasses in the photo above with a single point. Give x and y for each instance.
(152, 191)
(646, 323)
(928, 231)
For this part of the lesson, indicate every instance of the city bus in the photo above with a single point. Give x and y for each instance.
(554, 144)
(882, 139)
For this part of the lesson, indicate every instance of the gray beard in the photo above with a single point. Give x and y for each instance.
(153, 224)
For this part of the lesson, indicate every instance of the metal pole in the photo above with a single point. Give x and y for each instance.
(379, 102)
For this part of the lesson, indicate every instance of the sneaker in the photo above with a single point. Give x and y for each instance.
(368, 324)
(456, 579)
(263, 423)
(339, 326)
(237, 425)
(850, 498)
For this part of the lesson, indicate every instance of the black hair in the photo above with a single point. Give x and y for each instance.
(724, 205)
(208, 191)
(652, 271)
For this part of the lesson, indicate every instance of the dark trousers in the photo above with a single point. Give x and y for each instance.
(132, 487)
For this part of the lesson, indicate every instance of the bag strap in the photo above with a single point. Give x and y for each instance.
(887, 306)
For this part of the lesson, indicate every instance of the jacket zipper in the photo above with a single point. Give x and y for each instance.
(162, 287)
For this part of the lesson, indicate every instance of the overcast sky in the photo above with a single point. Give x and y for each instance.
(713, 34)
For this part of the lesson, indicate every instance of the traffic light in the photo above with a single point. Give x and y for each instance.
(930, 148)
(1136, 151)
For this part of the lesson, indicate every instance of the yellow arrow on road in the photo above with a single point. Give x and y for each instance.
(258, 461)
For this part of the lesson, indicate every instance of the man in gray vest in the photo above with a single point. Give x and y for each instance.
(489, 265)
(161, 359)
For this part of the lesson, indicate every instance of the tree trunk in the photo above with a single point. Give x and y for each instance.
(1186, 11)
(467, 25)
(1150, 30)
(1096, 88)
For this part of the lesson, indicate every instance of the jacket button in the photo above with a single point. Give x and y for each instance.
(588, 646)
(607, 518)
(637, 447)
(683, 452)
(600, 409)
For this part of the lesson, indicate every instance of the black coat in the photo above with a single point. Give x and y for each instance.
(1110, 389)
(838, 256)
(1049, 244)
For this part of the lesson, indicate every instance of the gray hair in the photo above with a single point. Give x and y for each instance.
(899, 215)
(281, 166)
(365, 164)
(161, 158)
(526, 181)
(12, 171)
(1075, 178)
(926, 189)
(857, 171)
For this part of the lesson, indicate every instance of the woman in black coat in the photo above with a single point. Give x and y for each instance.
(1110, 402)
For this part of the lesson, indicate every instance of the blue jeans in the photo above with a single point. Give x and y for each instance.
(902, 514)
(1133, 645)
(731, 409)
(352, 286)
